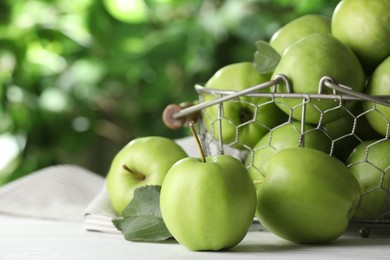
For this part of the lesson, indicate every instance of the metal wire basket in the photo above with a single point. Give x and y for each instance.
(344, 101)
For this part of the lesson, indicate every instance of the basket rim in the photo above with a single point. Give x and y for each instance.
(200, 89)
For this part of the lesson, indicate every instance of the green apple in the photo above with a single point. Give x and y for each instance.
(143, 161)
(349, 130)
(379, 115)
(364, 26)
(307, 196)
(208, 205)
(369, 162)
(281, 137)
(297, 29)
(245, 120)
(305, 63)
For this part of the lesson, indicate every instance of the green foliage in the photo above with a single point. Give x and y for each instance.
(266, 58)
(78, 81)
(141, 220)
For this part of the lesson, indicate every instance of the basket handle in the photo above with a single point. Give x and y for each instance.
(176, 116)
(330, 83)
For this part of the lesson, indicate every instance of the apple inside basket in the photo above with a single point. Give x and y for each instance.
(255, 125)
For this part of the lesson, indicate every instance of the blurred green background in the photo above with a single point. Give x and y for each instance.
(80, 79)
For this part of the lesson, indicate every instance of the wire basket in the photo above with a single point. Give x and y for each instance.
(215, 119)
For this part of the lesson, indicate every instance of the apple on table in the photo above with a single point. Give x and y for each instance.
(208, 203)
(307, 196)
(281, 137)
(143, 161)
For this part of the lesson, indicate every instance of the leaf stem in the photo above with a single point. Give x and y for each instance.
(202, 156)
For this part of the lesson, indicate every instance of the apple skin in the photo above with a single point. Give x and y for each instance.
(254, 115)
(208, 205)
(150, 156)
(369, 162)
(349, 130)
(307, 196)
(281, 137)
(298, 28)
(379, 84)
(364, 27)
(305, 63)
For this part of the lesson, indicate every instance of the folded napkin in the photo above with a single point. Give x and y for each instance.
(99, 214)
(68, 192)
(59, 192)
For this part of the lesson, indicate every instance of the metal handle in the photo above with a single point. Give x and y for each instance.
(328, 82)
(175, 116)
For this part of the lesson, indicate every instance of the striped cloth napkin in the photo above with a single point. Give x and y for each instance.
(99, 214)
(67, 192)
(60, 192)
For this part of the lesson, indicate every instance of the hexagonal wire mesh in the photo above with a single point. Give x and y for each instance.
(230, 123)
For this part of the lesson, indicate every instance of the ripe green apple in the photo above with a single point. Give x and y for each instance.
(281, 137)
(369, 162)
(364, 26)
(379, 84)
(298, 28)
(307, 196)
(305, 63)
(143, 161)
(208, 205)
(246, 120)
(349, 130)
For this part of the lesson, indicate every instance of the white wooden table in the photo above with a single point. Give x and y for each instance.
(28, 238)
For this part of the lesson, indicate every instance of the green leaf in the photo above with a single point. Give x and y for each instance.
(266, 58)
(141, 220)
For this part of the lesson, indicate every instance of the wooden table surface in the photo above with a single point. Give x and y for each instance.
(28, 238)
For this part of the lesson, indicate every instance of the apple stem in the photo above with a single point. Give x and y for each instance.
(137, 175)
(192, 127)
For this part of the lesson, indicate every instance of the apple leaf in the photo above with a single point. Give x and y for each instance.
(266, 58)
(141, 220)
